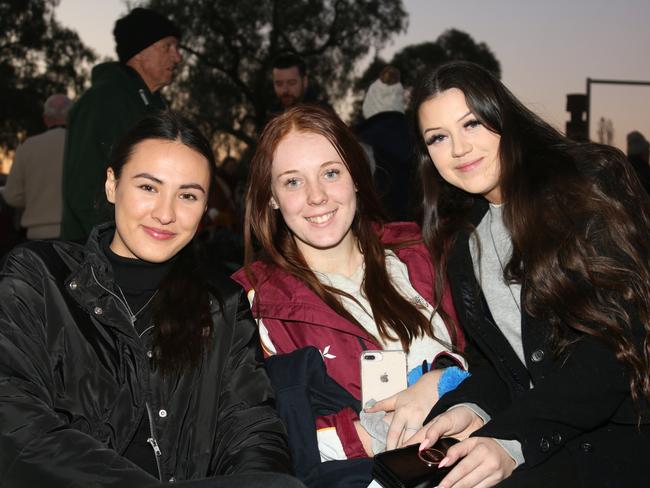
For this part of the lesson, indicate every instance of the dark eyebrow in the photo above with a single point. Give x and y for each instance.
(186, 186)
(148, 176)
(438, 128)
(194, 186)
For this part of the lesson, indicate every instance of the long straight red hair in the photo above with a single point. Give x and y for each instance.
(395, 316)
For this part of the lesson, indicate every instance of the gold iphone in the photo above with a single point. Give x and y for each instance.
(383, 373)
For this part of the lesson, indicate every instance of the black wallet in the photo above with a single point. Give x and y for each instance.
(408, 468)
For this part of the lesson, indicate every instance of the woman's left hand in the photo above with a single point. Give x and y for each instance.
(410, 407)
(483, 463)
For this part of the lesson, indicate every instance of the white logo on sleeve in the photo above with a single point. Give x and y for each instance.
(326, 353)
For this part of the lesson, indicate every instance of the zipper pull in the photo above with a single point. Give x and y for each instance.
(144, 97)
(154, 444)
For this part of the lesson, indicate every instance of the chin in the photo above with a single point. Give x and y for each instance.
(156, 258)
(157, 255)
(325, 243)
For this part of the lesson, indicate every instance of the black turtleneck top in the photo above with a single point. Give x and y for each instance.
(137, 281)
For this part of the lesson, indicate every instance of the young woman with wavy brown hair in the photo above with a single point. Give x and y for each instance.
(546, 243)
(330, 273)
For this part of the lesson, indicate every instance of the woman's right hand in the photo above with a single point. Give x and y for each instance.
(409, 407)
(458, 422)
(478, 461)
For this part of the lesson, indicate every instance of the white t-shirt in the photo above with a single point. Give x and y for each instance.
(422, 348)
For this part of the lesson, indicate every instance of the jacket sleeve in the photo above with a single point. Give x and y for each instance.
(483, 388)
(252, 437)
(39, 446)
(337, 436)
(578, 395)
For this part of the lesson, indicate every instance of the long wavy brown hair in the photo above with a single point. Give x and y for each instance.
(578, 217)
(395, 316)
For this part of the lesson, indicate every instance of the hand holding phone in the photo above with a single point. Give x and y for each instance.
(410, 468)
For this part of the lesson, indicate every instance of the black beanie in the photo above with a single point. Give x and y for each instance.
(140, 29)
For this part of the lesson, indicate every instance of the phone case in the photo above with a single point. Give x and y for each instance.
(383, 373)
(406, 468)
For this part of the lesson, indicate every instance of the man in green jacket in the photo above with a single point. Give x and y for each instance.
(121, 93)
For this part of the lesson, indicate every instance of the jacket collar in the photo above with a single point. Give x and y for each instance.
(110, 72)
(91, 283)
(479, 209)
(281, 296)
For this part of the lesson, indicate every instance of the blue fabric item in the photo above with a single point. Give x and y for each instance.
(450, 379)
(416, 373)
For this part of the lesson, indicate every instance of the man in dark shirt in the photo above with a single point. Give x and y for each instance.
(291, 84)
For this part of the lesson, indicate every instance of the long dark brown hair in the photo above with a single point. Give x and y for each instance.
(395, 316)
(578, 217)
(181, 308)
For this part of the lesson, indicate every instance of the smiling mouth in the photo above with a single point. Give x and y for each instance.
(159, 234)
(321, 219)
(469, 165)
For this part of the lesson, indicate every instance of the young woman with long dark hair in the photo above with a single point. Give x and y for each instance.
(125, 362)
(546, 243)
(330, 273)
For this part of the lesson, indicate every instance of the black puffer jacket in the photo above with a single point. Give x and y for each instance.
(75, 381)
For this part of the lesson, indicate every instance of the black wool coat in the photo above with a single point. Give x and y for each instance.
(579, 412)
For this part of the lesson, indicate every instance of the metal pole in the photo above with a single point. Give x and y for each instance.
(618, 82)
(588, 108)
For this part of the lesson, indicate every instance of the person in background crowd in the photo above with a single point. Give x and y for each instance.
(229, 172)
(34, 182)
(638, 153)
(121, 93)
(331, 274)
(221, 229)
(385, 131)
(290, 80)
(126, 362)
(291, 83)
(546, 243)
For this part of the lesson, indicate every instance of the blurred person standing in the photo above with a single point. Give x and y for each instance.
(290, 80)
(386, 138)
(34, 182)
(121, 94)
(291, 84)
(638, 153)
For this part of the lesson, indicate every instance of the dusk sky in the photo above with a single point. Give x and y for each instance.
(546, 48)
